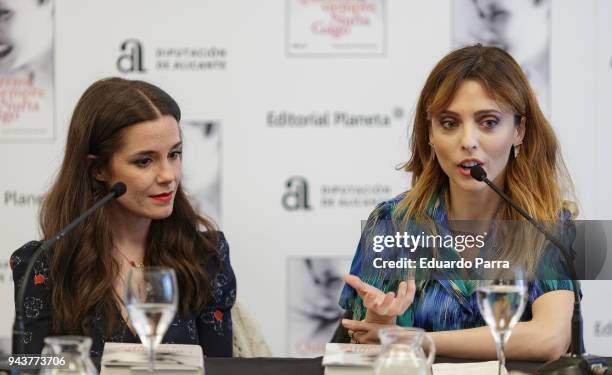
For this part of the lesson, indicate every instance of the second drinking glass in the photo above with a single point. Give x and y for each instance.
(151, 301)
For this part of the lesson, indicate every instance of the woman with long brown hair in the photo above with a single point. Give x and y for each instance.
(476, 108)
(124, 130)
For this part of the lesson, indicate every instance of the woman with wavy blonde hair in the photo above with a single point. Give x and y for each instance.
(476, 108)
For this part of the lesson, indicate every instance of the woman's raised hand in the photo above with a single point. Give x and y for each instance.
(383, 307)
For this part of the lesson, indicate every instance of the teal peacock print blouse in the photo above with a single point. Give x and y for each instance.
(444, 300)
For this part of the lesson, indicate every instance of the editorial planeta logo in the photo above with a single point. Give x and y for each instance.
(333, 119)
(14, 198)
(183, 58)
(297, 195)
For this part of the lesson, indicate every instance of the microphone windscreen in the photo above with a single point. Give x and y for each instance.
(118, 189)
(478, 173)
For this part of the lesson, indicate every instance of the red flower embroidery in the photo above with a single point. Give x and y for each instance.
(39, 279)
(218, 315)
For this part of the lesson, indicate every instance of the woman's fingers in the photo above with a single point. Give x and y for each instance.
(372, 299)
(402, 289)
(362, 337)
(387, 300)
(370, 337)
(353, 281)
(362, 332)
(370, 295)
(404, 301)
(409, 296)
(405, 297)
(361, 287)
(384, 304)
(354, 325)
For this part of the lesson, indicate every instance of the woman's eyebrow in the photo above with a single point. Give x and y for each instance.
(482, 112)
(446, 112)
(488, 112)
(152, 152)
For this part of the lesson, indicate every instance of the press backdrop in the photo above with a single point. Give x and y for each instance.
(296, 115)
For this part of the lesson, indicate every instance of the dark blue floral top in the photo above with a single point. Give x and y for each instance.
(442, 301)
(211, 328)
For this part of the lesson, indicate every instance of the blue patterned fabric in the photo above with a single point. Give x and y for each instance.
(211, 328)
(442, 301)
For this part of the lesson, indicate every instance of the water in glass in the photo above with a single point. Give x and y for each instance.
(501, 303)
(151, 301)
(151, 320)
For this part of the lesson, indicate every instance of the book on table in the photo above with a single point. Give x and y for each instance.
(121, 358)
(354, 359)
(358, 359)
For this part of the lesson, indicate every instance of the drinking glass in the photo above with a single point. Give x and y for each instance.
(402, 352)
(72, 353)
(151, 301)
(502, 302)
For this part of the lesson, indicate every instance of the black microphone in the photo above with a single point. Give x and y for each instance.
(575, 361)
(116, 191)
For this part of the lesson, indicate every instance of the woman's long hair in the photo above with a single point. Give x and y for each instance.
(83, 270)
(537, 180)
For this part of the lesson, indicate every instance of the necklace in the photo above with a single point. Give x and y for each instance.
(139, 266)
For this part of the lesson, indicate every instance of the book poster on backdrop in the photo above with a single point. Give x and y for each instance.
(314, 286)
(201, 165)
(335, 27)
(26, 70)
(522, 28)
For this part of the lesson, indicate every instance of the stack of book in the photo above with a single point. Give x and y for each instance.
(124, 359)
(350, 359)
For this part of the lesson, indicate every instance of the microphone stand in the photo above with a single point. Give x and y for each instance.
(576, 361)
(117, 190)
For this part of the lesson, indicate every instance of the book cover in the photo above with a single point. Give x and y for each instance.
(168, 357)
(356, 355)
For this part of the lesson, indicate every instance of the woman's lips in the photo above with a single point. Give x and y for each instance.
(464, 167)
(465, 171)
(165, 197)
